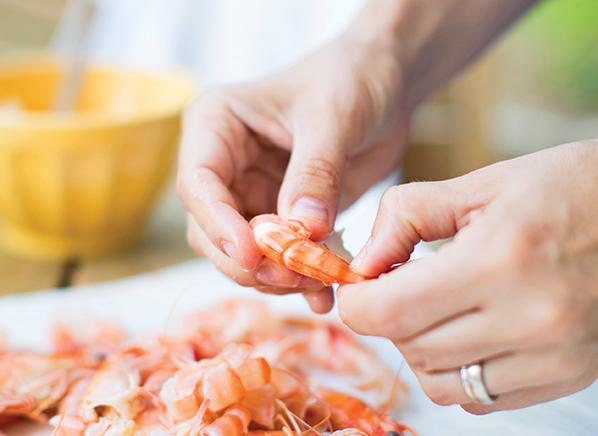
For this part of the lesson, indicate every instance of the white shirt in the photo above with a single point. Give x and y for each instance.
(220, 41)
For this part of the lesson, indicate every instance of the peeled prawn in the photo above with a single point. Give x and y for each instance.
(264, 385)
(30, 383)
(287, 243)
(114, 388)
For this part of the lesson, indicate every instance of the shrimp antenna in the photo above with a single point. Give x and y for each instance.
(294, 417)
(198, 418)
(282, 420)
(176, 360)
(309, 427)
(390, 398)
(106, 429)
(57, 428)
(290, 415)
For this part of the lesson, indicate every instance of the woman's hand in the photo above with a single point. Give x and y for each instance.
(311, 140)
(515, 289)
(303, 144)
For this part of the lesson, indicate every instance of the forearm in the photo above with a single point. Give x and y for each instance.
(434, 38)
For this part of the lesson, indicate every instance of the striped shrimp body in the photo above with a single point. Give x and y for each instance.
(349, 413)
(287, 243)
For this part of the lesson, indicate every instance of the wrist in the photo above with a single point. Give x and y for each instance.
(377, 65)
(433, 39)
(396, 31)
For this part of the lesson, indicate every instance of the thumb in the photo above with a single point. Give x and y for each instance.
(419, 211)
(312, 184)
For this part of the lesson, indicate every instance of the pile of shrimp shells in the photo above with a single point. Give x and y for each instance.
(234, 369)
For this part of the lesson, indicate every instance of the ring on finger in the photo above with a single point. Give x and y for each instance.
(472, 380)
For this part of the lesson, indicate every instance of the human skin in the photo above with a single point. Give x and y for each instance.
(515, 288)
(309, 141)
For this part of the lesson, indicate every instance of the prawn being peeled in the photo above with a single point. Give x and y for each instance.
(287, 243)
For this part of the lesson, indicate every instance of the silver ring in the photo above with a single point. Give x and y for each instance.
(473, 383)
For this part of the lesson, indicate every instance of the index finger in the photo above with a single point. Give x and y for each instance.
(214, 145)
(410, 300)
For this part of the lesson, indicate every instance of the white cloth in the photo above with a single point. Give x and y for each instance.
(221, 41)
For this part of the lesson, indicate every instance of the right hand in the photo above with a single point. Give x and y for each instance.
(304, 144)
(514, 289)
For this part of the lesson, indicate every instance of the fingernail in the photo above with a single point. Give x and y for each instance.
(270, 276)
(229, 249)
(356, 263)
(311, 208)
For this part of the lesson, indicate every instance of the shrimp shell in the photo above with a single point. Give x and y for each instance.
(287, 243)
(261, 386)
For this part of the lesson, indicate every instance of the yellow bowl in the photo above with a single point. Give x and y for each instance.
(80, 184)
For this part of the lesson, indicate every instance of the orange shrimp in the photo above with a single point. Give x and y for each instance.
(260, 386)
(68, 425)
(302, 346)
(13, 406)
(93, 337)
(287, 243)
(31, 383)
(115, 389)
(349, 412)
(233, 422)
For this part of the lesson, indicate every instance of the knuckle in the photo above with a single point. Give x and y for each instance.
(391, 195)
(420, 361)
(525, 246)
(513, 252)
(402, 194)
(370, 319)
(398, 327)
(377, 313)
(412, 193)
(543, 323)
(437, 392)
(552, 322)
(389, 324)
(321, 173)
(356, 321)
(410, 199)
(195, 109)
(206, 104)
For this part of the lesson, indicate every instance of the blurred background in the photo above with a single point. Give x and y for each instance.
(535, 88)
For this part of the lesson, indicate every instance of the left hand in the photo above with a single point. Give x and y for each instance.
(304, 143)
(516, 289)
